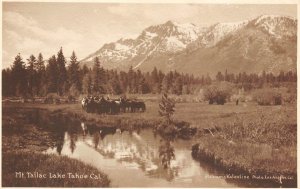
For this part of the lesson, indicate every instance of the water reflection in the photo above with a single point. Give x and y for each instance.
(166, 153)
(59, 142)
(141, 155)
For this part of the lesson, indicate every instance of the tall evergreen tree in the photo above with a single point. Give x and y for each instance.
(7, 88)
(178, 84)
(74, 73)
(51, 74)
(166, 108)
(18, 75)
(143, 86)
(40, 63)
(165, 84)
(62, 72)
(98, 75)
(41, 75)
(31, 76)
(87, 84)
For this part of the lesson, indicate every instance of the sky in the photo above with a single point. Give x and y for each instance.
(32, 27)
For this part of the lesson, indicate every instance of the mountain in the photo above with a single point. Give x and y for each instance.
(268, 42)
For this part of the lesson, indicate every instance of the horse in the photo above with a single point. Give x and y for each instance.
(84, 103)
(91, 105)
(102, 106)
(114, 107)
(137, 106)
(125, 104)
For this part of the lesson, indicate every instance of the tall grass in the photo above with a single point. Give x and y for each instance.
(13, 162)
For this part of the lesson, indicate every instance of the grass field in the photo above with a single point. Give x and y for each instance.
(200, 115)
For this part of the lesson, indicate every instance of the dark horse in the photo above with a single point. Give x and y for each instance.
(107, 106)
(125, 105)
(137, 106)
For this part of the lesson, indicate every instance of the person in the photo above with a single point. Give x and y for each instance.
(237, 102)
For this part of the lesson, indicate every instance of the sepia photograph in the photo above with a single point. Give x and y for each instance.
(140, 94)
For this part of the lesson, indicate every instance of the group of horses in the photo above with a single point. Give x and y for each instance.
(101, 105)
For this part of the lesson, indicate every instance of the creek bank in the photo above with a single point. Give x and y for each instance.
(23, 144)
(50, 117)
(260, 176)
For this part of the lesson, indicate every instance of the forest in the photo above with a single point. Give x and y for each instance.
(39, 77)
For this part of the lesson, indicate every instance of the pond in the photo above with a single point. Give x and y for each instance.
(136, 158)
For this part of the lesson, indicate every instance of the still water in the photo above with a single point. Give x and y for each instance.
(137, 158)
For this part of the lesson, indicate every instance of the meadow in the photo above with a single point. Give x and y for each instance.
(239, 138)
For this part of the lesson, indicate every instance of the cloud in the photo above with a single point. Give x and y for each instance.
(25, 35)
(155, 13)
(17, 19)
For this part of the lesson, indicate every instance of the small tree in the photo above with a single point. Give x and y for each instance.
(166, 108)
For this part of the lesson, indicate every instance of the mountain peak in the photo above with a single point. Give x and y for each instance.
(272, 16)
(170, 23)
(159, 44)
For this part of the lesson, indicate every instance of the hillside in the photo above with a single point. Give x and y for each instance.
(268, 42)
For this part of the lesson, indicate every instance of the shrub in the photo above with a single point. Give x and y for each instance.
(268, 96)
(51, 98)
(218, 93)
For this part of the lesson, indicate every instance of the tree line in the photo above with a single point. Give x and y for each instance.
(38, 77)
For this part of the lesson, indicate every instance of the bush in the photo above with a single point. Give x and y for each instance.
(268, 96)
(218, 92)
(51, 98)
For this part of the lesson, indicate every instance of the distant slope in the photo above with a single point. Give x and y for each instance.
(267, 43)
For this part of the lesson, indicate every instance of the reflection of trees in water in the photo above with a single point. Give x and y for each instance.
(133, 148)
(59, 138)
(96, 139)
(166, 153)
(73, 140)
(166, 173)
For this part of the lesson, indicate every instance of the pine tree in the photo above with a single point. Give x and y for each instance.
(7, 89)
(85, 69)
(41, 75)
(51, 74)
(40, 63)
(178, 85)
(143, 86)
(114, 85)
(31, 76)
(166, 108)
(18, 75)
(219, 77)
(98, 76)
(165, 84)
(62, 72)
(74, 74)
(87, 84)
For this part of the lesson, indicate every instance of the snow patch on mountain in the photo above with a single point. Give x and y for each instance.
(173, 44)
(151, 35)
(189, 30)
(276, 25)
(121, 47)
